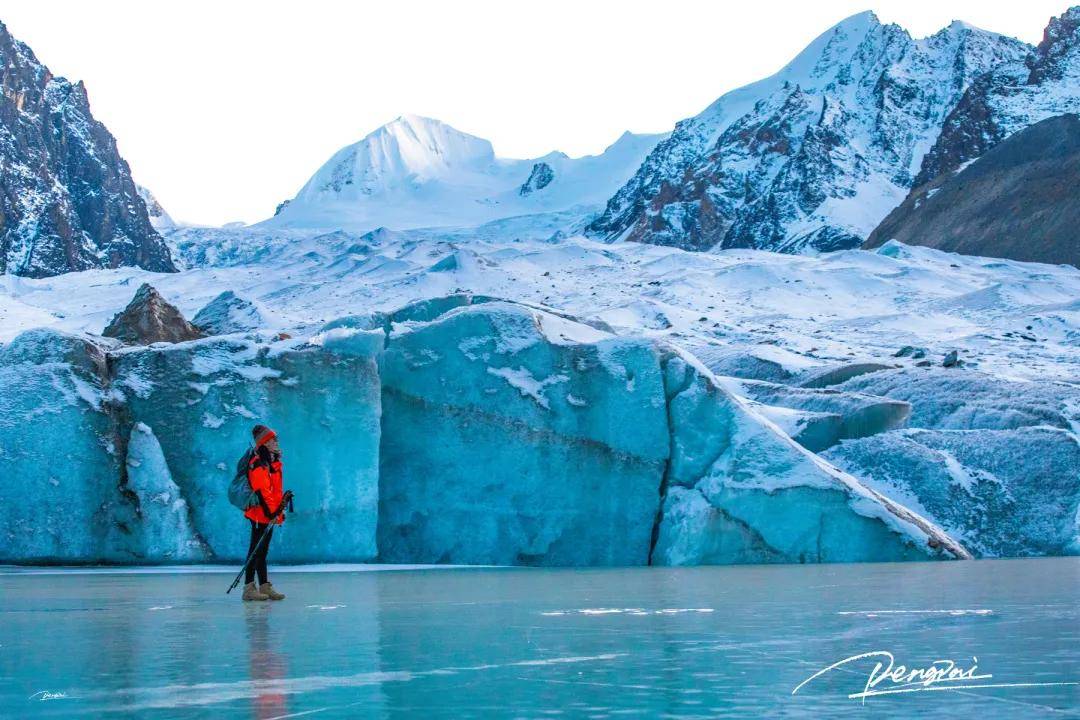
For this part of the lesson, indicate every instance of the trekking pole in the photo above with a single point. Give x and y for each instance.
(262, 539)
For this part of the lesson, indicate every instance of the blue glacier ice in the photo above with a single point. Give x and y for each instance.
(1000, 492)
(512, 436)
(461, 429)
(158, 526)
(741, 491)
(59, 466)
(201, 399)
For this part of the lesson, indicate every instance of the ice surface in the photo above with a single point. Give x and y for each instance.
(537, 642)
(1001, 492)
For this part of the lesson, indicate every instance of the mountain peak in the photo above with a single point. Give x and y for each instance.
(866, 17)
(423, 145)
(1058, 54)
(416, 124)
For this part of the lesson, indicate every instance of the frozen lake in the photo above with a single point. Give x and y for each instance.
(482, 642)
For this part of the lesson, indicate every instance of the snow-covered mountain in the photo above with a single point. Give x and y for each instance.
(1044, 84)
(159, 217)
(813, 157)
(416, 172)
(67, 200)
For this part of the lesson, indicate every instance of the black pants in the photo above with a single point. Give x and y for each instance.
(258, 563)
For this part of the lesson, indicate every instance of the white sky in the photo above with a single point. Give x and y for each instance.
(224, 108)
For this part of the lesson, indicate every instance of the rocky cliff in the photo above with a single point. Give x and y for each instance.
(1017, 201)
(67, 200)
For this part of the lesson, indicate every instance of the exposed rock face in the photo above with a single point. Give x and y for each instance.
(540, 177)
(1015, 95)
(1018, 201)
(812, 158)
(148, 319)
(67, 201)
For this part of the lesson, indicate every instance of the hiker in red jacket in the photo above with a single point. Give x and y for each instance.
(264, 474)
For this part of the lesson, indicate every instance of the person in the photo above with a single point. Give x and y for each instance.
(264, 475)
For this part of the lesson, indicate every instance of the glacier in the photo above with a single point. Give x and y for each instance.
(58, 463)
(1003, 493)
(462, 429)
(809, 348)
(511, 436)
(741, 491)
(150, 436)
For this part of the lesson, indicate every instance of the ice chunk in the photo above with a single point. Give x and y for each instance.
(825, 377)
(228, 313)
(475, 469)
(765, 498)
(159, 529)
(815, 431)
(1002, 492)
(756, 362)
(833, 415)
(951, 399)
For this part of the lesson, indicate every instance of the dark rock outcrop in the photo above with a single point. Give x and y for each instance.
(1015, 95)
(1018, 201)
(540, 177)
(67, 200)
(149, 318)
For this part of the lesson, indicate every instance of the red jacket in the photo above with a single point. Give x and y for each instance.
(267, 481)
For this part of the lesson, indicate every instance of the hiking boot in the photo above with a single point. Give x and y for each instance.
(268, 590)
(252, 593)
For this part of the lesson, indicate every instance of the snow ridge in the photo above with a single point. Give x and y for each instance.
(418, 172)
(813, 157)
